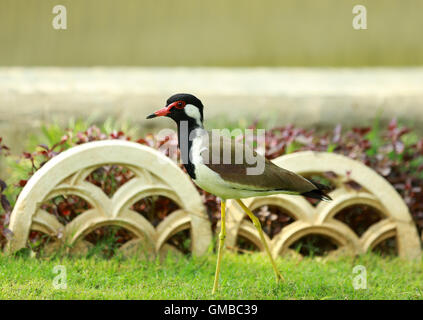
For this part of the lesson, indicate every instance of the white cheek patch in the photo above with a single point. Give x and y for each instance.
(193, 112)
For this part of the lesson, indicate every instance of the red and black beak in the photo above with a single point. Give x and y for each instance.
(166, 110)
(159, 113)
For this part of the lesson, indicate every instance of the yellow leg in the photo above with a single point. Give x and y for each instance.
(222, 236)
(257, 224)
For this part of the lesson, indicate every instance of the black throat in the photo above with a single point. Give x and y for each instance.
(186, 134)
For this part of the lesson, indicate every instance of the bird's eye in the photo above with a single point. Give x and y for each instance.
(180, 105)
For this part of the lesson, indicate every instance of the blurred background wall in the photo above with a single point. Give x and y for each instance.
(284, 61)
(211, 33)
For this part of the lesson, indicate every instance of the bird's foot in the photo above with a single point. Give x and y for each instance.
(279, 278)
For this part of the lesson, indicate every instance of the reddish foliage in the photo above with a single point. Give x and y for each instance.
(155, 208)
(273, 219)
(387, 151)
(65, 209)
(110, 178)
(4, 202)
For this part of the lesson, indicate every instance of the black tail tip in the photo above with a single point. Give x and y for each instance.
(317, 194)
(321, 193)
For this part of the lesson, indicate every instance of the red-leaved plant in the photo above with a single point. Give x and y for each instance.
(394, 152)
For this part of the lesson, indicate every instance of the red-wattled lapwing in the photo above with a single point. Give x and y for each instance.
(203, 159)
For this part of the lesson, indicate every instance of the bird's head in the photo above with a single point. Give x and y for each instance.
(182, 107)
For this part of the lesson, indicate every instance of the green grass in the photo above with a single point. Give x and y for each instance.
(243, 277)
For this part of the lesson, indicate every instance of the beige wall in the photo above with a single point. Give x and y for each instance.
(210, 33)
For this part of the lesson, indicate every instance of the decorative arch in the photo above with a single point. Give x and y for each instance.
(376, 192)
(155, 174)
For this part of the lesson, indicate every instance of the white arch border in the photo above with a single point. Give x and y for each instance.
(378, 193)
(98, 153)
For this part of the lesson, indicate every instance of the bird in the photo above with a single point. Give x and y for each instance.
(203, 156)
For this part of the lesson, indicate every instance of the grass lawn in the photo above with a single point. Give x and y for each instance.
(243, 277)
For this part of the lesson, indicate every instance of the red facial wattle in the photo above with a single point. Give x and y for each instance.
(166, 110)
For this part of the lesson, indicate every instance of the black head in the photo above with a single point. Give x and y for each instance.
(180, 107)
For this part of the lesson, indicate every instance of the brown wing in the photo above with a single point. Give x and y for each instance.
(271, 178)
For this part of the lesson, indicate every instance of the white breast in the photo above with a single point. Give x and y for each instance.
(204, 177)
(209, 180)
